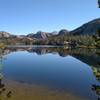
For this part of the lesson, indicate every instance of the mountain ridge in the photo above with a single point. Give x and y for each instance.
(89, 28)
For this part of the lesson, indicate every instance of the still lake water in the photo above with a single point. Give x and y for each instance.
(58, 68)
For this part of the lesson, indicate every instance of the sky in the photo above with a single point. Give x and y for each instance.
(26, 16)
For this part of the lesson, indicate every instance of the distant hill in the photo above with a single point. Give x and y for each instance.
(89, 28)
(4, 34)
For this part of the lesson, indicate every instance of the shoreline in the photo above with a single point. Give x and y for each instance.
(62, 46)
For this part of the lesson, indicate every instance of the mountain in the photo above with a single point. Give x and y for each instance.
(41, 35)
(63, 32)
(20, 36)
(89, 28)
(4, 34)
(54, 33)
(30, 35)
(38, 35)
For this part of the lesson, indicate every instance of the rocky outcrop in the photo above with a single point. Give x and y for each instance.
(40, 35)
(4, 34)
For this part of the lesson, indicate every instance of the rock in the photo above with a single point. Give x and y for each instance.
(4, 34)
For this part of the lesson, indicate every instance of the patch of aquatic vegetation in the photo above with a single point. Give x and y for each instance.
(96, 72)
(96, 88)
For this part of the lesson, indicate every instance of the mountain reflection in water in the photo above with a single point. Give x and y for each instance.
(88, 56)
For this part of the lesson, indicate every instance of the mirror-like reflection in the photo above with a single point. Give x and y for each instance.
(90, 57)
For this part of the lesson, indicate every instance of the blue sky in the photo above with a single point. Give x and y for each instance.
(25, 16)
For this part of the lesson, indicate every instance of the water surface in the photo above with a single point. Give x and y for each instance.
(57, 68)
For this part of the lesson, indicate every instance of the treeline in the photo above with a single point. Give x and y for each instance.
(72, 40)
(67, 40)
(16, 41)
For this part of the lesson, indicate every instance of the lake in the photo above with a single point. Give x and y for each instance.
(49, 73)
